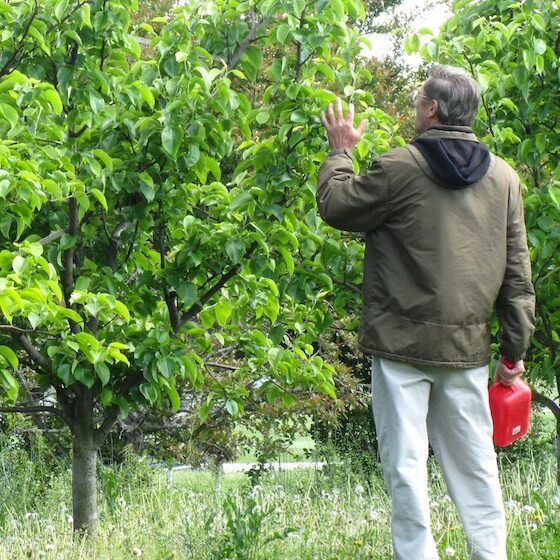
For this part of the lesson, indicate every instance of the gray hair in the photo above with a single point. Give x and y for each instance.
(457, 93)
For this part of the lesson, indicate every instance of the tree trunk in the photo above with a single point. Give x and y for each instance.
(555, 409)
(84, 464)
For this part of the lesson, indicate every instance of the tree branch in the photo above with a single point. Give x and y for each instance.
(484, 103)
(115, 243)
(223, 366)
(68, 259)
(34, 410)
(12, 59)
(250, 38)
(54, 236)
(171, 302)
(17, 331)
(113, 413)
(197, 307)
(548, 402)
(33, 353)
(349, 286)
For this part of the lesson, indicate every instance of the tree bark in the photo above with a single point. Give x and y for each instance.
(84, 464)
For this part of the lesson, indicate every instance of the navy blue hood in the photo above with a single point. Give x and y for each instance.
(457, 163)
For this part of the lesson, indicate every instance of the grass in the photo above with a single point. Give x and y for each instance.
(304, 515)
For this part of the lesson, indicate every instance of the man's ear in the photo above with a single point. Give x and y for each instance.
(433, 108)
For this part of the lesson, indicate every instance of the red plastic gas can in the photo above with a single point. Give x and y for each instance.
(510, 406)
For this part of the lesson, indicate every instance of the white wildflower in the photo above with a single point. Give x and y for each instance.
(528, 508)
(359, 489)
(512, 504)
(137, 551)
(49, 546)
(69, 519)
(373, 514)
(450, 551)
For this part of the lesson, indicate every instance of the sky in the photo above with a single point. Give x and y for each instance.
(432, 18)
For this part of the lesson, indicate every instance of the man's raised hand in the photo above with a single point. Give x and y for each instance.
(340, 129)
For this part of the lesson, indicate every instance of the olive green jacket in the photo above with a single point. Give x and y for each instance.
(437, 260)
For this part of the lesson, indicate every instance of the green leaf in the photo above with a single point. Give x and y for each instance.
(147, 186)
(11, 386)
(235, 249)
(223, 311)
(232, 407)
(10, 356)
(412, 43)
(173, 397)
(538, 21)
(67, 241)
(263, 116)
(100, 197)
(187, 292)
(9, 113)
(213, 166)
(96, 102)
(147, 95)
(540, 46)
(288, 259)
(123, 406)
(106, 397)
(103, 372)
(122, 310)
(207, 318)
(85, 376)
(60, 9)
(18, 263)
(53, 99)
(282, 32)
(150, 392)
(5, 225)
(299, 117)
(191, 370)
(240, 200)
(275, 356)
(65, 373)
(166, 366)
(327, 71)
(104, 157)
(171, 137)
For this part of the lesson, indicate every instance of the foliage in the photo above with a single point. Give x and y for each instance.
(158, 208)
(373, 8)
(242, 536)
(333, 518)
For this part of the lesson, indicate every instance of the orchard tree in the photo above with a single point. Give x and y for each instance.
(158, 208)
(513, 50)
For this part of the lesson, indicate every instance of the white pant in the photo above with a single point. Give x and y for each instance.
(451, 405)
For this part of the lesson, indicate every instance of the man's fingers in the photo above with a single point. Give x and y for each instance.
(330, 112)
(362, 126)
(339, 109)
(324, 120)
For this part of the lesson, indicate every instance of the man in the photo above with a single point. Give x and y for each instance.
(445, 243)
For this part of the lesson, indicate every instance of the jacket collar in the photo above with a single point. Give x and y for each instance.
(449, 131)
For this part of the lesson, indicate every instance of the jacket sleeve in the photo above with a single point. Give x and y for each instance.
(347, 201)
(515, 305)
